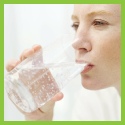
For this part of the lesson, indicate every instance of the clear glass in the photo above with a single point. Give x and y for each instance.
(38, 78)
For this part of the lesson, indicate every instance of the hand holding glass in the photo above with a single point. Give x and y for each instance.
(38, 78)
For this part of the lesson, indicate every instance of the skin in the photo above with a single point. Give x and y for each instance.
(45, 113)
(97, 41)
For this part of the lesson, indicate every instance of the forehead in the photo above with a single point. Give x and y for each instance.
(83, 9)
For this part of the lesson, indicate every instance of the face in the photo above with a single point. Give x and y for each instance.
(97, 42)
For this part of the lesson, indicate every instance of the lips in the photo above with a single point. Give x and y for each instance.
(87, 68)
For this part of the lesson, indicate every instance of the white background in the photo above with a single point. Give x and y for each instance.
(26, 25)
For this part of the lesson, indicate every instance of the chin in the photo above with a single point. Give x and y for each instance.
(92, 84)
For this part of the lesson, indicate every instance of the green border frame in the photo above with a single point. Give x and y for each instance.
(2, 2)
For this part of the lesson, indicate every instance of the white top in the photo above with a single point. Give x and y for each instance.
(101, 105)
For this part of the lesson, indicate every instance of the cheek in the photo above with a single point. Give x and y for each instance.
(107, 48)
(107, 51)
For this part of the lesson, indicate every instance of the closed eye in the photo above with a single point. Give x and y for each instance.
(75, 26)
(99, 22)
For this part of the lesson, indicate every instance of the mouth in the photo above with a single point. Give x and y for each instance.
(88, 66)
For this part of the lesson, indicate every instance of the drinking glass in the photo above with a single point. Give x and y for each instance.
(33, 82)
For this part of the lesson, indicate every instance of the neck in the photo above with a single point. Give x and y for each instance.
(118, 88)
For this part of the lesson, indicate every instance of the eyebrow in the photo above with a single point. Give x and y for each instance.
(101, 12)
(73, 17)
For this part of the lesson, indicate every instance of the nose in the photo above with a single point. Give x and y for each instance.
(82, 44)
(82, 39)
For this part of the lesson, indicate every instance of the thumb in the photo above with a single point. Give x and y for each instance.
(50, 104)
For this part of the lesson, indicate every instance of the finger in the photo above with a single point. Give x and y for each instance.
(34, 116)
(58, 96)
(36, 47)
(26, 53)
(48, 107)
(12, 64)
(50, 104)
